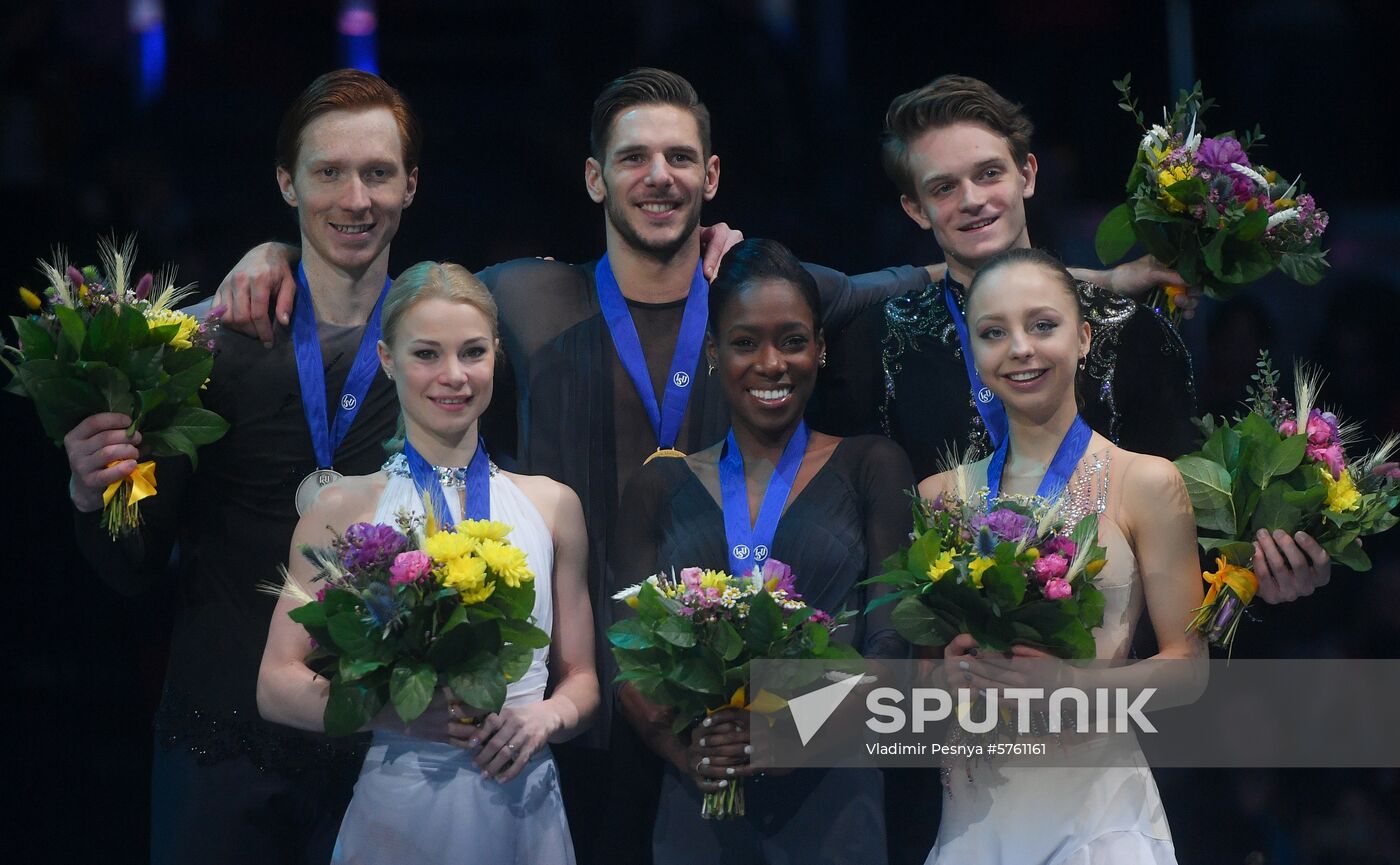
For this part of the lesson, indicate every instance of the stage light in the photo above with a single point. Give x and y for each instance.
(357, 24)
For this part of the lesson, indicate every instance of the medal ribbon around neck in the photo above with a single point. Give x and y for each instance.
(665, 418)
(326, 435)
(1067, 457)
(478, 483)
(750, 546)
(988, 404)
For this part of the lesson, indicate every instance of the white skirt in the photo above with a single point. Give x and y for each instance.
(425, 803)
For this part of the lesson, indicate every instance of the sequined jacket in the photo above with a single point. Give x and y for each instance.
(898, 369)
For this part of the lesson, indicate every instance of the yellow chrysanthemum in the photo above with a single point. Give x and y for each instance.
(1166, 177)
(188, 324)
(467, 574)
(506, 561)
(443, 546)
(1342, 495)
(940, 566)
(30, 299)
(716, 580)
(977, 567)
(488, 530)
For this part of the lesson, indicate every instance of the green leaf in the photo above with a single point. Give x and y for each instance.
(310, 615)
(70, 326)
(764, 624)
(1114, 236)
(1223, 447)
(114, 390)
(523, 634)
(479, 682)
(516, 602)
(700, 675)
(918, 623)
(36, 340)
(1270, 459)
(1235, 552)
(1274, 511)
(631, 634)
(195, 426)
(350, 669)
(515, 661)
(453, 644)
(1353, 557)
(186, 382)
(1208, 484)
(1305, 268)
(677, 632)
(411, 689)
(1192, 190)
(143, 367)
(62, 403)
(652, 606)
(725, 640)
(350, 707)
(1252, 227)
(351, 635)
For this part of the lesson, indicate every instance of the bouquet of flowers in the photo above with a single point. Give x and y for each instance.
(1281, 466)
(405, 608)
(1200, 206)
(690, 645)
(1011, 575)
(96, 341)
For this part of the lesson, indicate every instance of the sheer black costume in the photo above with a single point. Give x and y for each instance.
(834, 533)
(899, 369)
(229, 786)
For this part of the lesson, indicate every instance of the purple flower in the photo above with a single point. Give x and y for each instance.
(1387, 471)
(1288, 427)
(143, 287)
(778, 577)
(1058, 544)
(1051, 567)
(1008, 525)
(1217, 154)
(822, 618)
(1057, 589)
(75, 276)
(370, 544)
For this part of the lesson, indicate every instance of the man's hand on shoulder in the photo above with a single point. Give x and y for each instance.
(260, 285)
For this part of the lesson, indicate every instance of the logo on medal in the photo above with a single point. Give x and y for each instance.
(984, 395)
(741, 551)
(681, 378)
(348, 401)
(760, 553)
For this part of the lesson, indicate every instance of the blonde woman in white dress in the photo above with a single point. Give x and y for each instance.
(1028, 339)
(443, 789)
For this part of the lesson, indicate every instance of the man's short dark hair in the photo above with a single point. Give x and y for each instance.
(947, 100)
(645, 86)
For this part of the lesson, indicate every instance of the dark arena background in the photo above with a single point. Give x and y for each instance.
(159, 118)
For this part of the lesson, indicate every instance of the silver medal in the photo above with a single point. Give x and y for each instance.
(311, 486)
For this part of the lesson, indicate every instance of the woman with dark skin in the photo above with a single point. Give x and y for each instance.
(845, 512)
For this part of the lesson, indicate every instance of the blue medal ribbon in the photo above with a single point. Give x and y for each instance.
(666, 418)
(751, 545)
(1067, 457)
(478, 483)
(988, 404)
(326, 435)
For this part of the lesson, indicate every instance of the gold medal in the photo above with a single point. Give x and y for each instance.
(664, 452)
(311, 486)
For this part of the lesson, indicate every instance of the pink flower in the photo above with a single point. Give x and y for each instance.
(778, 577)
(1057, 589)
(690, 578)
(143, 287)
(409, 567)
(1051, 567)
(1288, 427)
(321, 593)
(1059, 544)
(1320, 432)
(1329, 454)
